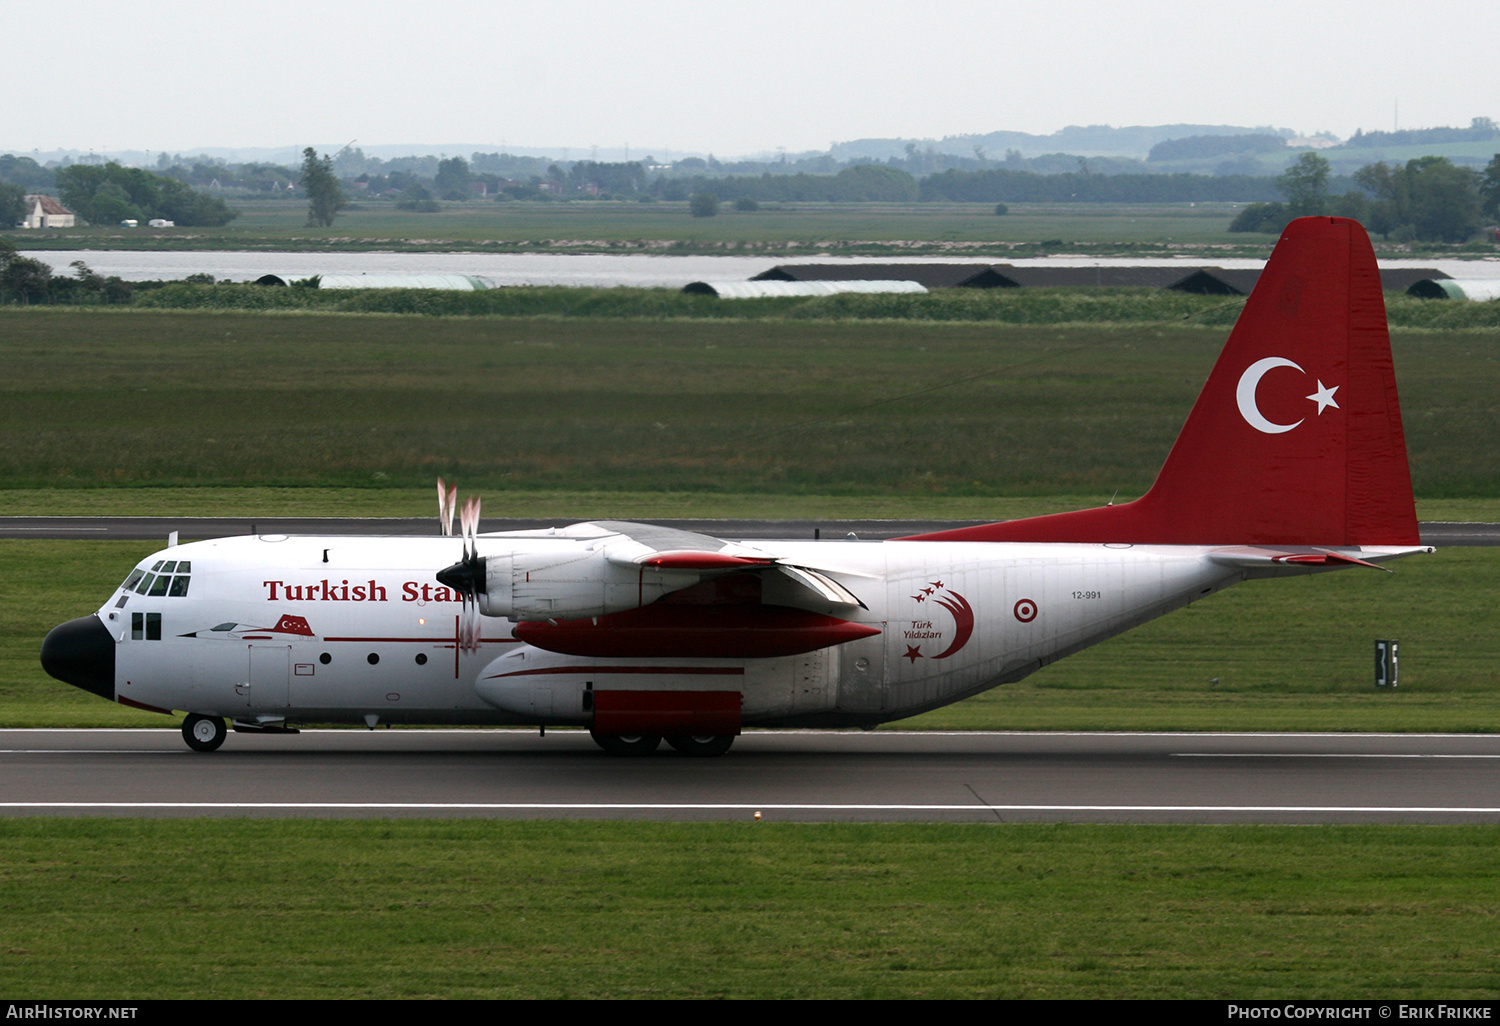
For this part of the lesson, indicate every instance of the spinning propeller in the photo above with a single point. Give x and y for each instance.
(467, 576)
(447, 501)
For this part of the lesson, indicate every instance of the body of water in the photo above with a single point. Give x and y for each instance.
(587, 270)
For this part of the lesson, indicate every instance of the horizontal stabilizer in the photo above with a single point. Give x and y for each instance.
(1252, 557)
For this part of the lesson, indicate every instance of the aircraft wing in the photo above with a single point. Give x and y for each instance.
(667, 548)
(647, 548)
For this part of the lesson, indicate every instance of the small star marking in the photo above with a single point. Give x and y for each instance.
(1324, 397)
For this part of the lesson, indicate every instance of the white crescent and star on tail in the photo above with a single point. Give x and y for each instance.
(1250, 381)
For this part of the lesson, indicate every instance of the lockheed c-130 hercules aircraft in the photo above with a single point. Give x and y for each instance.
(1293, 461)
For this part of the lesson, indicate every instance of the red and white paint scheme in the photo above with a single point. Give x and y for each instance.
(1291, 462)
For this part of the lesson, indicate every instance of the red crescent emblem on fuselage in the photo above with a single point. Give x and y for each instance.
(963, 622)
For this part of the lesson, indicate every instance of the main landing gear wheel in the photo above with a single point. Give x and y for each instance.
(704, 746)
(203, 733)
(626, 744)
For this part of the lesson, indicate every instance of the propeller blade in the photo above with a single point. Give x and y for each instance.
(471, 626)
(445, 509)
(467, 576)
(466, 521)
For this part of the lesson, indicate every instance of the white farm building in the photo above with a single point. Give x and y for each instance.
(45, 212)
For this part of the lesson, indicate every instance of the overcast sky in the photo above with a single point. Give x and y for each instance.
(726, 76)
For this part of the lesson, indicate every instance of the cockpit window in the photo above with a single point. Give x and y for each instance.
(156, 566)
(225, 626)
(163, 584)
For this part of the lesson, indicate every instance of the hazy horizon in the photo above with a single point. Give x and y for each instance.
(736, 79)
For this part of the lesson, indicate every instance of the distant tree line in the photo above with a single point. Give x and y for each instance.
(26, 172)
(1198, 147)
(112, 193)
(1428, 199)
(1479, 130)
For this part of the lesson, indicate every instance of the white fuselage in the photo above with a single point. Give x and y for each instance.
(350, 629)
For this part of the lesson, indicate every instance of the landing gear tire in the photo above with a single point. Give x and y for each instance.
(702, 746)
(204, 733)
(626, 744)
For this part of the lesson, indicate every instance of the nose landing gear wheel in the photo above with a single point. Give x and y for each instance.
(703, 747)
(626, 744)
(203, 733)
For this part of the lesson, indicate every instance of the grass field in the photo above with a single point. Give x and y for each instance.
(585, 505)
(1121, 310)
(607, 226)
(881, 408)
(359, 909)
(872, 229)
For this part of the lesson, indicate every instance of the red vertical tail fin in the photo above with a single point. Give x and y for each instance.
(1295, 439)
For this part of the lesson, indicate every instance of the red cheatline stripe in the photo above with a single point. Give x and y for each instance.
(720, 670)
(436, 639)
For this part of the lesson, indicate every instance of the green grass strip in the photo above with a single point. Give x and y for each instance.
(254, 502)
(790, 407)
(141, 909)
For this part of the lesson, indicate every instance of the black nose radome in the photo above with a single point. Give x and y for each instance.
(81, 652)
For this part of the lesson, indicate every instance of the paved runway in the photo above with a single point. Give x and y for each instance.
(1441, 534)
(785, 775)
